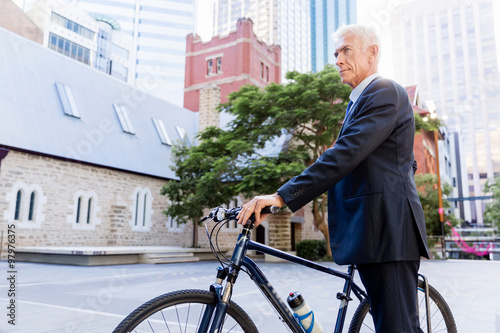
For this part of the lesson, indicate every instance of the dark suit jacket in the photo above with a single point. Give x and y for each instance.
(374, 212)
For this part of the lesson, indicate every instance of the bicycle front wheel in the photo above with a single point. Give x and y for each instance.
(441, 317)
(182, 311)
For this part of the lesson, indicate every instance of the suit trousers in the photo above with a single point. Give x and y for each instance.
(392, 292)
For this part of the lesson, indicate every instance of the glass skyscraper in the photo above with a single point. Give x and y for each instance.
(285, 23)
(326, 17)
(159, 30)
(450, 50)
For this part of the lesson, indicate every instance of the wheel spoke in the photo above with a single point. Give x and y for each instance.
(441, 317)
(165, 321)
(178, 319)
(185, 310)
(187, 317)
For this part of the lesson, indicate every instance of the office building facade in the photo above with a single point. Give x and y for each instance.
(326, 18)
(158, 30)
(449, 48)
(276, 22)
(93, 40)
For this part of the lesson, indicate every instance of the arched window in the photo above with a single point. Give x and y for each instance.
(32, 206)
(173, 224)
(85, 210)
(233, 226)
(78, 208)
(136, 209)
(89, 210)
(142, 209)
(19, 197)
(26, 204)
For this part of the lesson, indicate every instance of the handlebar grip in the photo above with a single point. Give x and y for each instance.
(270, 210)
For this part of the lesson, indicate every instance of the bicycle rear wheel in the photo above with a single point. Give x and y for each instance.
(441, 317)
(182, 311)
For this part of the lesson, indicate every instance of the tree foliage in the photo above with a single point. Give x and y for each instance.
(492, 211)
(428, 193)
(429, 125)
(243, 158)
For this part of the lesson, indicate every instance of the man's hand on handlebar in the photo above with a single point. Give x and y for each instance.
(255, 206)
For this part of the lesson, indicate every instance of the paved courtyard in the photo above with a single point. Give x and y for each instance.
(76, 299)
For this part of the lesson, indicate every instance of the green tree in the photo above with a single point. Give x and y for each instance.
(492, 212)
(428, 193)
(307, 111)
(429, 125)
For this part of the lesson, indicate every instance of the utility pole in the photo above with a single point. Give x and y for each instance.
(440, 194)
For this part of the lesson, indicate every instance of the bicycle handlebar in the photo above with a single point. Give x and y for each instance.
(220, 214)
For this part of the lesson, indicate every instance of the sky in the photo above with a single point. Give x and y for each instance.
(374, 12)
(204, 18)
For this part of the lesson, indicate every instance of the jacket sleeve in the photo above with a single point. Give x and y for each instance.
(369, 125)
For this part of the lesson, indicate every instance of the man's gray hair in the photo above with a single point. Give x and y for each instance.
(367, 35)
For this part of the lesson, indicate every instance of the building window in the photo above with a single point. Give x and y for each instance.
(73, 26)
(173, 224)
(31, 211)
(19, 197)
(162, 132)
(78, 207)
(89, 210)
(262, 70)
(183, 135)
(210, 67)
(68, 48)
(85, 211)
(26, 203)
(232, 226)
(68, 101)
(219, 65)
(267, 73)
(142, 209)
(124, 119)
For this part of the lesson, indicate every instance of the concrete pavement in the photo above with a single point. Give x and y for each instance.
(76, 299)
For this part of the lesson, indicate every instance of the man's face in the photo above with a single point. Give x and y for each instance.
(354, 63)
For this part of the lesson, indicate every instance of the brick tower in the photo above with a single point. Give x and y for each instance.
(228, 62)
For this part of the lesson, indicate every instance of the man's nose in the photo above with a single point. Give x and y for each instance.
(339, 60)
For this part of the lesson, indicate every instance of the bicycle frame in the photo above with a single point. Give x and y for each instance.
(239, 259)
(264, 285)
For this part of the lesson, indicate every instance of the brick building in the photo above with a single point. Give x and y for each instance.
(229, 62)
(215, 69)
(83, 157)
(14, 19)
(425, 145)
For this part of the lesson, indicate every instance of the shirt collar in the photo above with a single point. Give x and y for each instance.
(356, 92)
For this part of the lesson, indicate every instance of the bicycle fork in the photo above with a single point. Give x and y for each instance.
(212, 322)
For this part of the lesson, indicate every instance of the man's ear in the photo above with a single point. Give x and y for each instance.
(373, 52)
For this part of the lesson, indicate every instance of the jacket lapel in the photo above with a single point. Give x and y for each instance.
(354, 109)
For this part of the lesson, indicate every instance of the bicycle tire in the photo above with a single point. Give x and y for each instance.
(442, 319)
(164, 314)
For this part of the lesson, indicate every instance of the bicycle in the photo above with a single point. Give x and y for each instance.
(213, 310)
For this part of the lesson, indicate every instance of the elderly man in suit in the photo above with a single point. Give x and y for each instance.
(375, 218)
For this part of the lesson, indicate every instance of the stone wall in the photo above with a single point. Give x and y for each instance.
(209, 100)
(112, 220)
(59, 183)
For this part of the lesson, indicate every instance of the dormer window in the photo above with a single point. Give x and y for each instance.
(162, 132)
(68, 101)
(122, 114)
